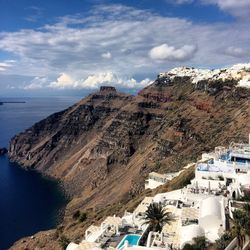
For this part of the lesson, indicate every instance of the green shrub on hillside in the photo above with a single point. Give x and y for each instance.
(76, 215)
(83, 217)
(64, 241)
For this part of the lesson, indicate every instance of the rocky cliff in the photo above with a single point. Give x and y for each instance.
(3, 151)
(103, 147)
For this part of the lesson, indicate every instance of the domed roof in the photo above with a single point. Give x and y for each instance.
(190, 232)
(210, 206)
(244, 179)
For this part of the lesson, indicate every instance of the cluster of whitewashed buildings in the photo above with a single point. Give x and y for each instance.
(239, 73)
(202, 208)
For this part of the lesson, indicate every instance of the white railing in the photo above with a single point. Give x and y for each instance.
(232, 245)
(243, 154)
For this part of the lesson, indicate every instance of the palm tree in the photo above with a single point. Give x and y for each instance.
(224, 241)
(246, 208)
(156, 217)
(246, 220)
(241, 227)
(238, 229)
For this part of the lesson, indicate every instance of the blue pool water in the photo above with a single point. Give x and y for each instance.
(28, 202)
(226, 156)
(133, 240)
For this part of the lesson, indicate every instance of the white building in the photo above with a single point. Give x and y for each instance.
(212, 217)
(192, 208)
(225, 170)
(155, 179)
(189, 232)
(139, 212)
(84, 245)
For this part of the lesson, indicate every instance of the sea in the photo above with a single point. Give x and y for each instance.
(29, 202)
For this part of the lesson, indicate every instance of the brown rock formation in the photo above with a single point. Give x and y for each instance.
(103, 147)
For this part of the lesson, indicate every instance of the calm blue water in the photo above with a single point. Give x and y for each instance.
(133, 240)
(28, 202)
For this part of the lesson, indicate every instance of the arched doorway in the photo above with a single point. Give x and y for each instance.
(234, 195)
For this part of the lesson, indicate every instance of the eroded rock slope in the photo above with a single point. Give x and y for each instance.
(103, 147)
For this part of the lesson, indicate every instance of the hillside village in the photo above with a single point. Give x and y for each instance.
(206, 209)
(125, 125)
(111, 150)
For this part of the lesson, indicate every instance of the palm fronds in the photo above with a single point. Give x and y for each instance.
(156, 217)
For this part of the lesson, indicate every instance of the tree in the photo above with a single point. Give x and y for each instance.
(224, 241)
(246, 222)
(156, 217)
(79, 216)
(199, 243)
(188, 246)
(238, 229)
(246, 208)
(83, 217)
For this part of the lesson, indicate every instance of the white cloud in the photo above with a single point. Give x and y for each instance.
(236, 52)
(109, 78)
(238, 8)
(107, 55)
(170, 53)
(94, 81)
(183, 1)
(79, 53)
(64, 81)
(5, 65)
(180, 1)
(37, 83)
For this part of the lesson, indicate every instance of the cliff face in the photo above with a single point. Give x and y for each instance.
(103, 147)
(109, 140)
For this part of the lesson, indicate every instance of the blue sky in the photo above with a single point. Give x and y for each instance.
(75, 45)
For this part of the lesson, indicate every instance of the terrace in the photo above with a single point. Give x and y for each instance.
(155, 179)
(171, 232)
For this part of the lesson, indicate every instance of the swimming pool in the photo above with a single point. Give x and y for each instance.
(133, 240)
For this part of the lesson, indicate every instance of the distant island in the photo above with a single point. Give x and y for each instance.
(2, 103)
